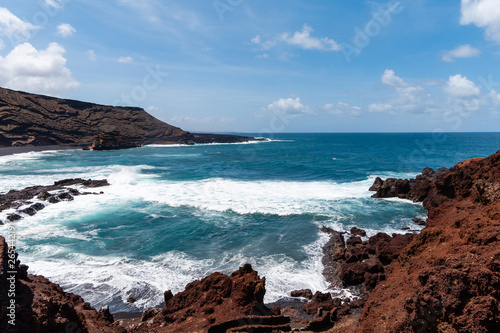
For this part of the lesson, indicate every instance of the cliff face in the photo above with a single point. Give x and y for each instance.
(35, 120)
(35, 304)
(448, 278)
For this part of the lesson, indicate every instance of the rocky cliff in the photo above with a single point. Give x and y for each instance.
(448, 278)
(36, 120)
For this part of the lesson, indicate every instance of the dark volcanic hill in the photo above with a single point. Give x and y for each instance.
(36, 120)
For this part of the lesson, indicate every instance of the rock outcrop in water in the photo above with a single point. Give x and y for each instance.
(416, 189)
(36, 120)
(448, 278)
(29, 201)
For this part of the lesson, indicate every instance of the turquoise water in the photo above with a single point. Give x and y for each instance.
(177, 213)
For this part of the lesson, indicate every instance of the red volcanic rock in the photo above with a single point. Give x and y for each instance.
(448, 278)
(412, 189)
(42, 306)
(322, 301)
(212, 301)
(306, 293)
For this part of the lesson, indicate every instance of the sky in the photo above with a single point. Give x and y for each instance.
(255, 66)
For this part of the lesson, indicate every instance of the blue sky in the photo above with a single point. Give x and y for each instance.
(265, 66)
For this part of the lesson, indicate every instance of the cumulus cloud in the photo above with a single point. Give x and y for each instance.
(495, 96)
(91, 55)
(304, 40)
(341, 109)
(65, 30)
(390, 78)
(13, 27)
(462, 51)
(38, 71)
(484, 14)
(290, 107)
(460, 86)
(301, 39)
(125, 60)
(410, 97)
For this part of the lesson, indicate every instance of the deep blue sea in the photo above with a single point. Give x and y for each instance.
(174, 214)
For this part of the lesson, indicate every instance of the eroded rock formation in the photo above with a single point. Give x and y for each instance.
(448, 278)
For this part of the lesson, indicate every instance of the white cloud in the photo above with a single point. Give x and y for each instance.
(291, 107)
(264, 45)
(65, 30)
(380, 107)
(256, 40)
(341, 109)
(390, 78)
(91, 55)
(484, 14)
(462, 51)
(495, 96)
(13, 27)
(301, 39)
(55, 3)
(38, 71)
(125, 60)
(410, 97)
(460, 86)
(304, 40)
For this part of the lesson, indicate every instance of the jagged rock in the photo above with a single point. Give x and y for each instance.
(220, 297)
(358, 232)
(448, 278)
(377, 184)
(149, 313)
(305, 293)
(13, 217)
(105, 314)
(321, 301)
(42, 306)
(167, 295)
(15, 199)
(417, 189)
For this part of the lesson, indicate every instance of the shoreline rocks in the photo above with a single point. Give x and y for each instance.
(22, 202)
(448, 278)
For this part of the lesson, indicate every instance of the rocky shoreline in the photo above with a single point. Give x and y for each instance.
(444, 279)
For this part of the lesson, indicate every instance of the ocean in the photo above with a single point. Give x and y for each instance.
(174, 214)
